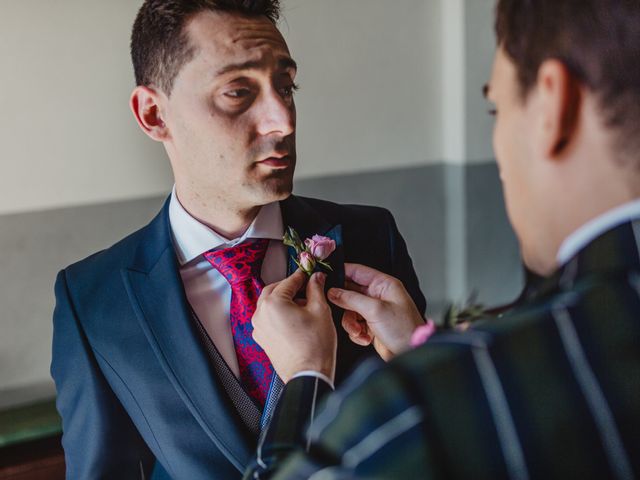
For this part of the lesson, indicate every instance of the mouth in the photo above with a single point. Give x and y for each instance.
(276, 162)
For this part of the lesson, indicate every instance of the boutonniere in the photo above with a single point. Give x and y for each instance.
(310, 253)
(458, 317)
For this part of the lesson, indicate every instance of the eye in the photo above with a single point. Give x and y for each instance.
(289, 90)
(493, 112)
(238, 93)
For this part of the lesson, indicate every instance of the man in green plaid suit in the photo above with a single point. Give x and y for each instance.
(550, 389)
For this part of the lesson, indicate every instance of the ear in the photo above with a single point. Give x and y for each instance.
(145, 104)
(560, 100)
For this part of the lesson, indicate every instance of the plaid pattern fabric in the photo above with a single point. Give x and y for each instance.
(549, 390)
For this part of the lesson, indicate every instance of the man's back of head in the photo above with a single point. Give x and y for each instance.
(566, 84)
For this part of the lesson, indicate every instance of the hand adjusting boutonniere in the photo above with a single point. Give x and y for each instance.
(310, 253)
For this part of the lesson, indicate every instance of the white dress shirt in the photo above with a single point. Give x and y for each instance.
(594, 228)
(208, 292)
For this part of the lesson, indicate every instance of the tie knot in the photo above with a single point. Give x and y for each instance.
(241, 262)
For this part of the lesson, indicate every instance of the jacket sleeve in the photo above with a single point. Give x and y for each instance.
(351, 436)
(296, 409)
(402, 266)
(99, 439)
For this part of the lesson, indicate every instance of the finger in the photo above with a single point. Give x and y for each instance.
(266, 291)
(378, 284)
(351, 324)
(358, 332)
(355, 287)
(363, 275)
(315, 289)
(291, 285)
(362, 340)
(355, 301)
(301, 302)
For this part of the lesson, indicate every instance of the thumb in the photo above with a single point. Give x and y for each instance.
(315, 289)
(291, 285)
(354, 301)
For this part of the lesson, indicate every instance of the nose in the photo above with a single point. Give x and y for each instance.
(277, 114)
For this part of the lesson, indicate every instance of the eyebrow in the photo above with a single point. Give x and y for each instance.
(284, 63)
(485, 90)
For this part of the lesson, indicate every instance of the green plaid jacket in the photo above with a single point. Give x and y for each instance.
(548, 390)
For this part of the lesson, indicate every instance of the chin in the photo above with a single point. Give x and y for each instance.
(274, 190)
(538, 260)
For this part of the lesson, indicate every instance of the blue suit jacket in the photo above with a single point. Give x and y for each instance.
(135, 385)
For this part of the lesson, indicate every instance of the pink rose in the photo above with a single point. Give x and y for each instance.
(423, 333)
(320, 247)
(307, 262)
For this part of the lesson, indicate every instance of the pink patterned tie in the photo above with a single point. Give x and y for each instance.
(241, 266)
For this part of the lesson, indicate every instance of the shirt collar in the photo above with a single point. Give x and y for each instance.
(193, 238)
(591, 230)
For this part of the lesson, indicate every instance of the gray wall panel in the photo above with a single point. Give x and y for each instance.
(33, 248)
(493, 259)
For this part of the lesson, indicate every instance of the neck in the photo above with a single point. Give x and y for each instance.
(226, 220)
(583, 196)
(582, 181)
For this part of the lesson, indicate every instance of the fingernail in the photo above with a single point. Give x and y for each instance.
(333, 293)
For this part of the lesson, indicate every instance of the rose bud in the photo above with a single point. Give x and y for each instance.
(307, 262)
(320, 247)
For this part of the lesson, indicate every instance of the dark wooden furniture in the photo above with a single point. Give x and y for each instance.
(30, 446)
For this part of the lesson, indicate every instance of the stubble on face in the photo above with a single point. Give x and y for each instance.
(231, 109)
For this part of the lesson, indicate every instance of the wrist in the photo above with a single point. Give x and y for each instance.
(314, 374)
(403, 341)
(324, 367)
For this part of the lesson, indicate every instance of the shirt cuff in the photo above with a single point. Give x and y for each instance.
(313, 373)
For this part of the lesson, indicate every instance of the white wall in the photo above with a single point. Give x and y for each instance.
(66, 134)
(371, 88)
(479, 50)
(467, 53)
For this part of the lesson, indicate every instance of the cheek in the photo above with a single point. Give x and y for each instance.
(505, 144)
(500, 146)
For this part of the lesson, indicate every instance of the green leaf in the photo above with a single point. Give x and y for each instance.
(325, 265)
(295, 237)
(292, 239)
(459, 315)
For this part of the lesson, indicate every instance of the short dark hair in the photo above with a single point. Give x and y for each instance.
(159, 43)
(597, 40)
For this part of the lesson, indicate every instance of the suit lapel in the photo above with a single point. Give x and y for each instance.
(156, 292)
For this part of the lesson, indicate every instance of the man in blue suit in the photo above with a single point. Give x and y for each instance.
(154, 362)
